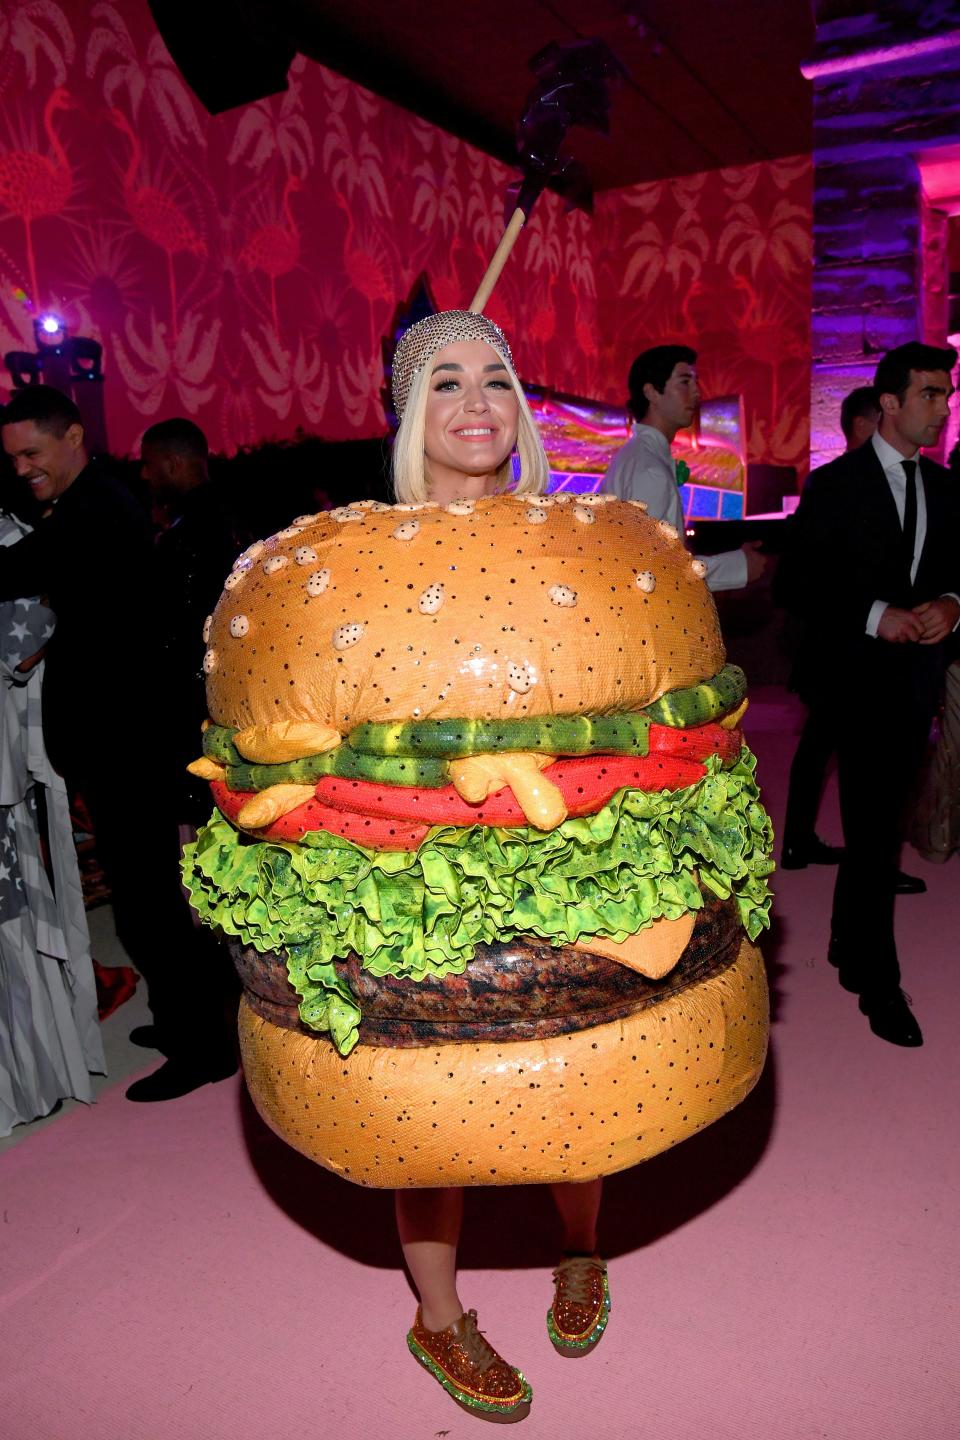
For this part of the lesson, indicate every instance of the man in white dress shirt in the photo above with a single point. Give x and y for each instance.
(873, 571)
(664, 396)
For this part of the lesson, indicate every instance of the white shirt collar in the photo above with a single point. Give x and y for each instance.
(651, 435)
(887, 455)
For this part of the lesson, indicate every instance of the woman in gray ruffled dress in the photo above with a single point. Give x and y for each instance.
(50, 1041)
(934, 828)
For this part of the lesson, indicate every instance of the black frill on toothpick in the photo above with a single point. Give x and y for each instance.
(573, 88)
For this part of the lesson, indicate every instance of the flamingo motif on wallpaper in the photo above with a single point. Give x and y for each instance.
(32, 186)
(764, 335)
(157, 217)
(584, 333)
(364, 270)
(275, 249)
(543, 326)
(447, 289)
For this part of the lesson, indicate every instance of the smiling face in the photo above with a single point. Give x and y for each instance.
(471, 419)
(48, 462)
(918, 419)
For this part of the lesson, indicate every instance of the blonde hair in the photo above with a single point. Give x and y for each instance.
(411, 481)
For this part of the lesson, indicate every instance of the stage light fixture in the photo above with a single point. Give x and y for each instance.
(23, 368)
(86, 358)
(70, 363)
(50, 331)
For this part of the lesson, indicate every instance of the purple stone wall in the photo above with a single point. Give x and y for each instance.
(886, 88)
(934, 273)
(867, 240)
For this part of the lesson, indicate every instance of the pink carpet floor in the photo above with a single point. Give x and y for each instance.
(174, 1272)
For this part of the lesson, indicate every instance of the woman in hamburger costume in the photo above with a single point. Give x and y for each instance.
(487, 842)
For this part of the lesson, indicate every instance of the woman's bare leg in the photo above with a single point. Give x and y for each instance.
(579, 1205)
(428, 1222)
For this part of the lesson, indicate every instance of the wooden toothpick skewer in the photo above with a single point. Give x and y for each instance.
(507, 241)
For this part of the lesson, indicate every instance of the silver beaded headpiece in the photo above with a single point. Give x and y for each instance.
(422, 341)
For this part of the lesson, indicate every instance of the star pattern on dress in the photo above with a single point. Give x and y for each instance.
(22, 638)
(12, 892)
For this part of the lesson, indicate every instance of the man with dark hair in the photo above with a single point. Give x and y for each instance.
(174, 458)
(200, 534)
(873, 572)
(663, 399)
(859, 416)
(92, 555)
(656, 367)
(202, 530)
(93, 549)
(178, 436)
(49, 425)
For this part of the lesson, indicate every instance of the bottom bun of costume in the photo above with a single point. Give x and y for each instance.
(533, 1109)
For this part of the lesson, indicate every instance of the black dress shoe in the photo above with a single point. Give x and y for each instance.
(811, 852)
(908, 884)
(145, 1036)
(179, 1077)
(891, 1018)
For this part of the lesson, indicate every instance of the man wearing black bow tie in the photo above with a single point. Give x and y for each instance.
(873, 571)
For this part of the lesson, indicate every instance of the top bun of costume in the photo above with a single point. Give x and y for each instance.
(488, 840)
(494, 609)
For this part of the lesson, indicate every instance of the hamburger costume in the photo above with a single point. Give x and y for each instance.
(488, 849)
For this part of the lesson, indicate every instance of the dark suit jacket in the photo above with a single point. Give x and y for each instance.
(845, 551)
(194, 556)
(93, 558)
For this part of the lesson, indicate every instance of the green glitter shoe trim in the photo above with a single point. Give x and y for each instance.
(453, 1389)
(598, 1329)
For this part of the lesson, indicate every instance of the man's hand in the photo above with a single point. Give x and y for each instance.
(937, 617)
(900, 627)
(756, 562)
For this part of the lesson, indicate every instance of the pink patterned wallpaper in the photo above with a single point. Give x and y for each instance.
(241, 269)
(721, 261)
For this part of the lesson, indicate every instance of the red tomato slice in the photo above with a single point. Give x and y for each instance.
(696, 743)
(398, 817)
(373, 831)
(587, 783)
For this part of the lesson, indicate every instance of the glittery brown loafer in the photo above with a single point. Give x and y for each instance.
(470, 1370)
(581, 1305)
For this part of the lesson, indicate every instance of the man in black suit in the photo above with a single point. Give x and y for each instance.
(104, 710)
(201, 531)
(802, 846)
(873, 572)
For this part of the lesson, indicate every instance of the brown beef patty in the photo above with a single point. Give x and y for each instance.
(520, 989)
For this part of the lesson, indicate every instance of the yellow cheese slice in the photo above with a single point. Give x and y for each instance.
(731, 721)
(479, 776)
(267, 806)
(206, 769)
(652, 952)
(286, 740)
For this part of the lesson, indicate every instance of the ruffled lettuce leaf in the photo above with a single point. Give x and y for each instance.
(414, 913)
